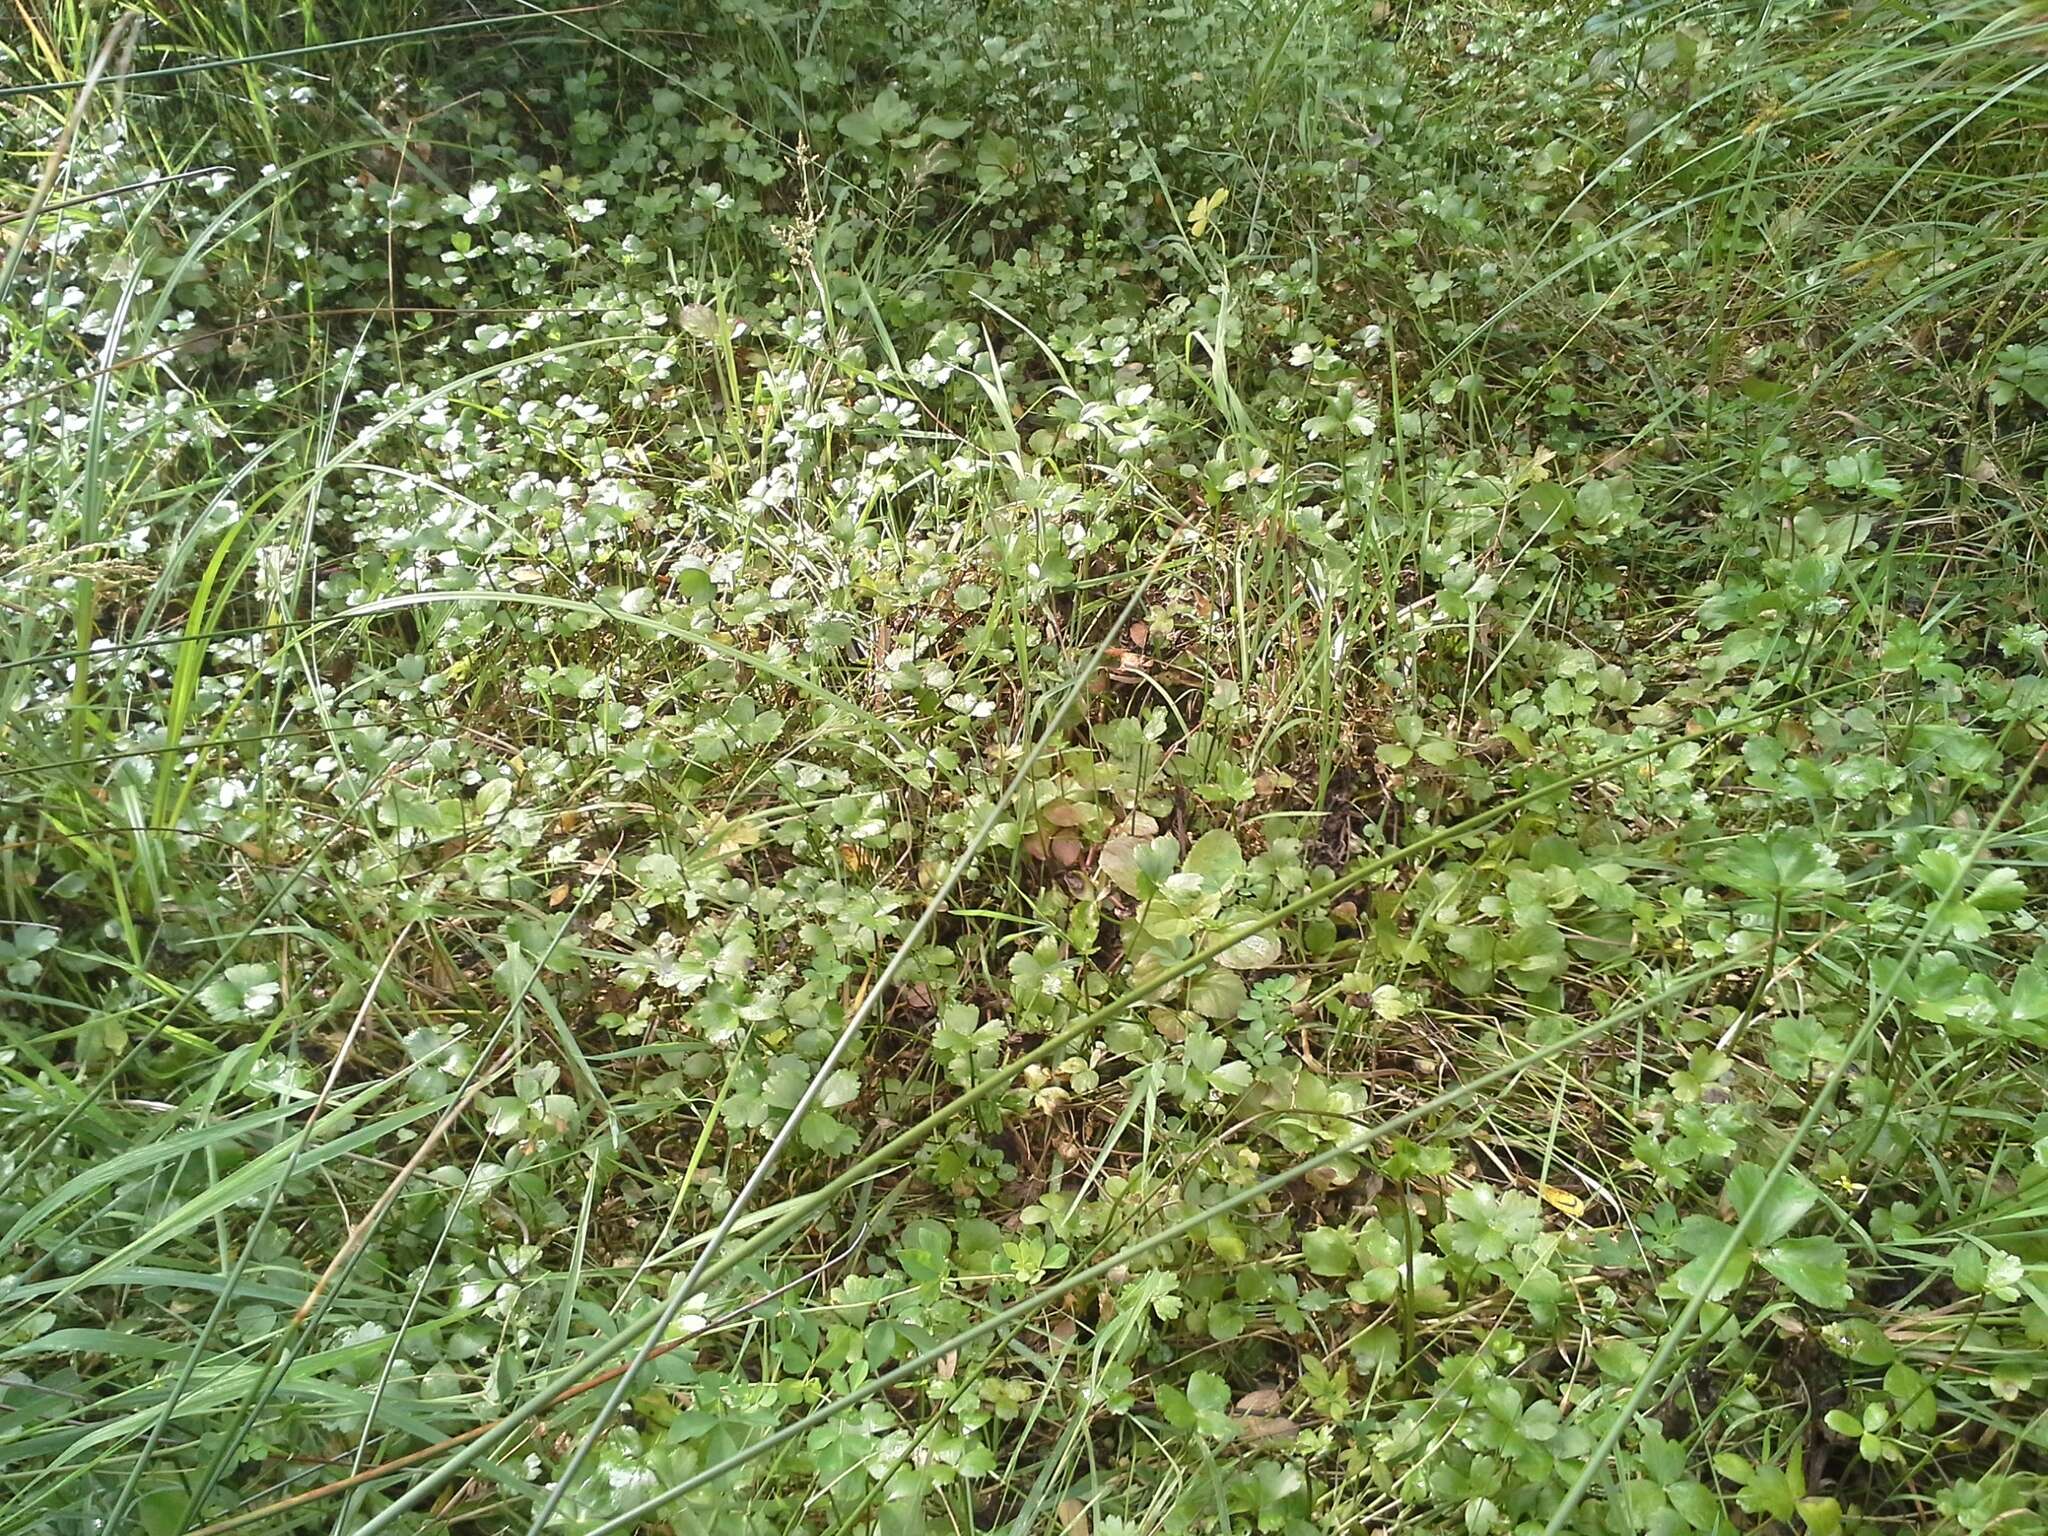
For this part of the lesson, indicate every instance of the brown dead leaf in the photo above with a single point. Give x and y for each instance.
(1073, 1517)
(1253, 1427)
(1258, 1416)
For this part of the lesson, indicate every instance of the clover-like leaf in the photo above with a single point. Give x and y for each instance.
(240, 992)
(1779, 865)
(1203, 1408)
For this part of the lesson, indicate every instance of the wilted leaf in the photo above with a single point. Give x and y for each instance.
(1254, 952)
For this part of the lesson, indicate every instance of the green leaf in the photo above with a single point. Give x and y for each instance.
(883, 118)
(1174, 1407)
(1696, 1502)
(1118, 862)
(1157, 861)
(1621, 1360)
(1861, 1340)
(161, 1512)
(1218, 994)
(1774, 1491)
(1815, 1269)
(1737, 1469)
(1255, 952)
(240, 992)
(693, 584)
(1821, 1514)
(1912, 1394)
(1486, 1223)
(1206, 1407)
(2001, 890)
(1227, 1321)
(1547, 506)
(1948, 992)
(1327, 1251)
(1215, 860)
(2029, 1001)
(1780, 1207)
(998, 159)
(1782, 864)
(1981, 1269)
(1706, 1239)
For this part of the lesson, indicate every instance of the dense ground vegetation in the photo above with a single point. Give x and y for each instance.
(1112, 766)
